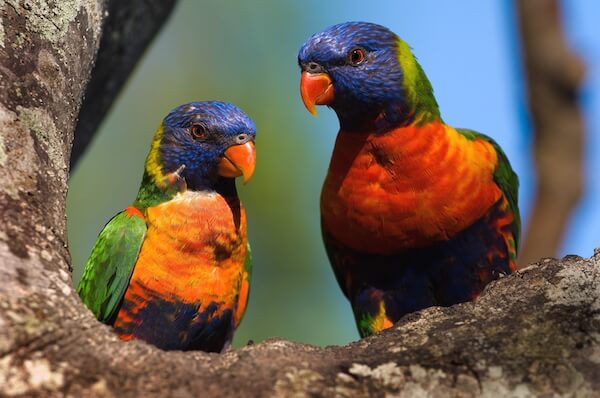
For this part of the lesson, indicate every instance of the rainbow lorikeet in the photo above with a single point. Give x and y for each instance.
(173, 269)
(414, 212)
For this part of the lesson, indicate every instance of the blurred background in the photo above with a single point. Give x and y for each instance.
(246, 54)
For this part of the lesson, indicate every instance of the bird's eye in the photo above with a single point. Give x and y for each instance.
(198, 131)
(356, 56)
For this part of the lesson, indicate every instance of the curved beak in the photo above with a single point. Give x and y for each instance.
(238, 160)
(316, 89)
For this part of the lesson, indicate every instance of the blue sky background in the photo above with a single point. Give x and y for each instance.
(246, 53)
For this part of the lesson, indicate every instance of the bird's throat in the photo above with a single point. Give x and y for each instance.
(360, 118)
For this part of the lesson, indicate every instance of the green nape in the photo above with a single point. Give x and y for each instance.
(151, 195)
(155, 188)
(417, 86)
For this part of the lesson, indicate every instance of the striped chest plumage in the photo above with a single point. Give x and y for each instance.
(186, 281)
(406, 188)
(414, 218)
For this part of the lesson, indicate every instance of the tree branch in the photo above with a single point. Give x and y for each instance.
(128, 29)
(554, 75)
(533, 333)
(46, 54)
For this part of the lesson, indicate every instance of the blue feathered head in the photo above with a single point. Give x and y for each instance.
(210, 139)
(364, 71)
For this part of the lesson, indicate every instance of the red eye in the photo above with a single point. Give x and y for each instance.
(198, 131)
(356, 56)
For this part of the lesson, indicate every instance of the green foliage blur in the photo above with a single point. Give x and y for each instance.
(245, 53)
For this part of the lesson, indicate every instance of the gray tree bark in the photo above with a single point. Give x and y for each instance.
(127, 30)
(536, 332)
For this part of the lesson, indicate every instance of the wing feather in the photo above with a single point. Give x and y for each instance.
(505, 178)
(108, 270)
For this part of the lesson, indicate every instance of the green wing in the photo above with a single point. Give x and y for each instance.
(108, 270)
(248, 265)
(244, 293)
(506, 179)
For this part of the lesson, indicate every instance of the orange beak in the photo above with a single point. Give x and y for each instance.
(316, 89)
(238, 160)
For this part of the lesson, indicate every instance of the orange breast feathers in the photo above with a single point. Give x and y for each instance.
(194, 250)
(406, 188)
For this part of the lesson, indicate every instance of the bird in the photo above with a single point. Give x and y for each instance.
(414, 212)
(174, 268)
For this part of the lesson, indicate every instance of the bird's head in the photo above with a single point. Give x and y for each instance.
(365, 72)
(212, 140)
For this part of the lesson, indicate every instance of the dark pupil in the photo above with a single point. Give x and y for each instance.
(356, 56)
(197, 131)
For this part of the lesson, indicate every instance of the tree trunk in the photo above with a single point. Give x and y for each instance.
(533, 333)
(554, 76)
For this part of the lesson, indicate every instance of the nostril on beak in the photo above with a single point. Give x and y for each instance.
(241, 138)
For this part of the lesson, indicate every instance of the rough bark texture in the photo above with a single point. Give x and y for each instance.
(554, 75)
(46, 53)
(533, 333)
(128, 28)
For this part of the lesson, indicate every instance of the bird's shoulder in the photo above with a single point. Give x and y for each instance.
(504, 175)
